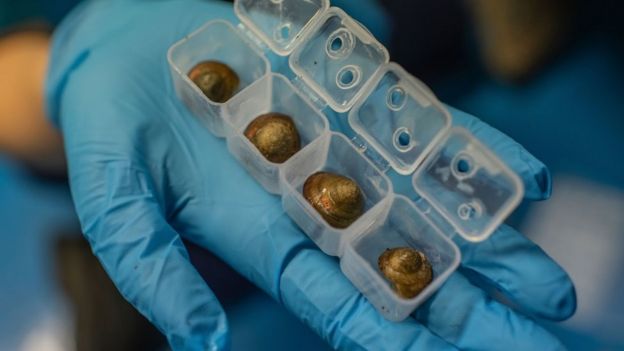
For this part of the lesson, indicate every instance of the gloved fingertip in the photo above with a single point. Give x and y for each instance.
(542, 180)
(563, 306)
(567, 305)
(214, 342)
(520, 332)
(205, 328)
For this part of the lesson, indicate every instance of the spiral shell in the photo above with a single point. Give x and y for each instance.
(275, 136)
(337, 199)
(407, 269)
(215, 79)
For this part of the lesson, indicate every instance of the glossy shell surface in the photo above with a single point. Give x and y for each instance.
(215, 79)
(338, 199)
(275, 135)
(407, 269)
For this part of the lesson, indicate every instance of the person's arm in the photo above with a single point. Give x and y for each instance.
(25, 132)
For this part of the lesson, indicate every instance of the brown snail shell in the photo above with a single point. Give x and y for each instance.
(215, 79)
(275, 136)
(338, 199)
(407, 269)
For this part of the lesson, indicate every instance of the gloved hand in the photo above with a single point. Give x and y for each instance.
(144, 173)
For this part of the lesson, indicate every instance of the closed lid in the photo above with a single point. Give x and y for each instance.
(279, 23)
(468, 185)
(400, 117)
(337, 58)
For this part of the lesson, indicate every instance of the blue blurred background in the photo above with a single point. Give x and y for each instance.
(568, 111)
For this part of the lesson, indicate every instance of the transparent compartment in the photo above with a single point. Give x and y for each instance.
(403, 226)
(335, 61)
(279, 23)
(272, 93)
(471, 187)
(337, 58)
(401, 118)
(333, 153)
(216, 40)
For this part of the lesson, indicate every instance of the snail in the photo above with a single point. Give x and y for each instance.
(215, 79)
(407, 269)
(337, 199)
(275, 136)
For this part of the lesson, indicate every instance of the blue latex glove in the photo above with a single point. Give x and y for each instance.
(144, 173)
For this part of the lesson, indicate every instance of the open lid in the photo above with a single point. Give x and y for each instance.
(468, 185)
(279, 23)
(337, 58)
(400, 118)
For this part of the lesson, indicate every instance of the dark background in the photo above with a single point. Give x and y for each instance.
(568, 112)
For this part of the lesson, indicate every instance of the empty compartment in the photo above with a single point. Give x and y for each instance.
(219, 41)
(404, 226)
(271, 94)
(333, 153)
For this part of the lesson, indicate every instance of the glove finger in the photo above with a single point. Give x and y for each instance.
(465, 316)
(265, 246)
(144, 256)
(89, 26)
(510, 263)
(534, 174)
(314, 288)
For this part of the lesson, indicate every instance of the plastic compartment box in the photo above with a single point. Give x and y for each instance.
(272, 93)
(220, 41)
(337, 64)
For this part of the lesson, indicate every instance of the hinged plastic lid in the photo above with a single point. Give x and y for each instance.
(279, 23)
(468, 185)
(400, 118)
(337, 58)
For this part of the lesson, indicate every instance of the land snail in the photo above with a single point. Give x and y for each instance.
(407, 269)
(275, 136)
(215, 79)
(338, 199)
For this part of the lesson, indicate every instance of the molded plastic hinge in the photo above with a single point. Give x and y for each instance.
(380, 163)
(436, 218)
(257, 42)
(312, 96)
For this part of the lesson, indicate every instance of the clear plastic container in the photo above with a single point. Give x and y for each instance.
(402, 226)
(273, 93)
(336, 63)
(219, 41)
(334, 153)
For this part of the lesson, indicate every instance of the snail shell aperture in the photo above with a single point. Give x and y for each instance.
(337, 199)
(275, 136)
(215, 79)
(407, 269)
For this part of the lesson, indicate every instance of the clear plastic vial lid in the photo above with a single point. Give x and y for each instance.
(279, 23)
(468, 185)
